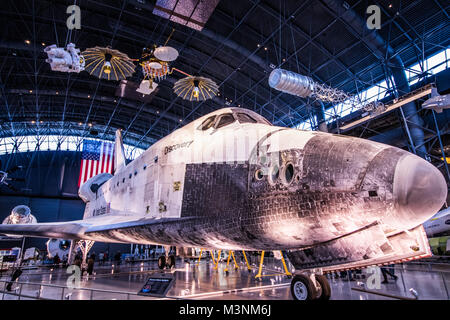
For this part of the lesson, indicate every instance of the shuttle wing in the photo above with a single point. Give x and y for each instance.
(79, 229)
(62, 230)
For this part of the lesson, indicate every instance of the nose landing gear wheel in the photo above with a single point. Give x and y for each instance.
(324, 293)
(162, 262)
(302, 288)
(171, 261)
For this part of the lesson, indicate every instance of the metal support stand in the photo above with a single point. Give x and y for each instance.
(234, 260)
(22, 254)
(259, 274)
(231, 255)
(73, 247)
(200, 255)
(216, 263)
(246, 261)
(85, 246)
(228, 261)
(212, 257)
(288, 273)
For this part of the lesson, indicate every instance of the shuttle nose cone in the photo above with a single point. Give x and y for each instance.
(420, 191)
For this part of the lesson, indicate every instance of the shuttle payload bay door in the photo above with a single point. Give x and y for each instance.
(170, 189)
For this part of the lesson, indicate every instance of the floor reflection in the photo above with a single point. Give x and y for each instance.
(195, 280)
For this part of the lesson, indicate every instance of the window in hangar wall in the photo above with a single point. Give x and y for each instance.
(52, 143)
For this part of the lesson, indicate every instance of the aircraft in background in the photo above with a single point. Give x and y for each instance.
(439, 224)
(231, 180)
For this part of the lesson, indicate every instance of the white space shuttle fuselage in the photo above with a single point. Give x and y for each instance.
(231, 180)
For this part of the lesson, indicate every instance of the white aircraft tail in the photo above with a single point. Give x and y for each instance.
(119, 159)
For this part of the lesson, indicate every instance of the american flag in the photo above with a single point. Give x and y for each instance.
(97, 157)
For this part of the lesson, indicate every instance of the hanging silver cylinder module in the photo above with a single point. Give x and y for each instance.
(291, 82)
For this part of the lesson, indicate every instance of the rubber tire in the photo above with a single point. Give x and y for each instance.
(171, 261)
(307, 284)
(325, 285)
(162, 262)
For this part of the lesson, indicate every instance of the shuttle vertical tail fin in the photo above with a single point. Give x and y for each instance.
(119, 159)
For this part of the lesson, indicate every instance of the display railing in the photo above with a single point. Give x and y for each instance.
(43, 291)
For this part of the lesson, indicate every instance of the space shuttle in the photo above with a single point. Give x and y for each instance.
(232, 180)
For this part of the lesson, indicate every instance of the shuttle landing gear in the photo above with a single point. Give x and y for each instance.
(162, 262)
(171, 261)
(324, 289)
(166, 260)
(310, 287)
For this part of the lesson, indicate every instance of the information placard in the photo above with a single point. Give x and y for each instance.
(157, 285)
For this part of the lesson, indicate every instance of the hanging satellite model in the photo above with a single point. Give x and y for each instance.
(65, 59)
(155, 67)
(107, 63)
(155, 63)
(5, 177)
(20, 215)
(304, 86)
(195, 88)
(145, 88)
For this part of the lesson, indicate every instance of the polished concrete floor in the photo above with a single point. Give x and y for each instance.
(200, 281)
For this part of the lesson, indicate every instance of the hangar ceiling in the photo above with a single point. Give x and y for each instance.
(239, 46)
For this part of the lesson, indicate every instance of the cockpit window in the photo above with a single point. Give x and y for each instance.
(245, 118)
(225, 120)
(208, 123)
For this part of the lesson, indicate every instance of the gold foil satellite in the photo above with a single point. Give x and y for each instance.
(195, 88)
(107, 63)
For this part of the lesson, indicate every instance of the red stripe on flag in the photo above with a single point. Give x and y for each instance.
(112, 164)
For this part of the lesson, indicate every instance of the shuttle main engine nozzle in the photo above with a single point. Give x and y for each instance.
(291, 82)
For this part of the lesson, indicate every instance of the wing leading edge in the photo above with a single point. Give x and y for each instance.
(78, 229)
